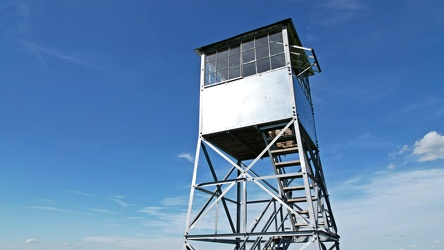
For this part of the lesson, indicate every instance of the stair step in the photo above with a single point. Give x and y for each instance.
(294, 188)
(302, 211)
(301, 225)
(283, 138)
(287, 163)
(284, 151)
(289, 176)
(299, 199)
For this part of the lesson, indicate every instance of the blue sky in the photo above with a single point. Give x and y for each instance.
(99, 117)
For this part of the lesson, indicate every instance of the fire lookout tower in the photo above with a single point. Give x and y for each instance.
(258, 182)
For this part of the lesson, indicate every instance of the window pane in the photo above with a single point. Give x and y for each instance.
(211, 57)
(234, 50)
(247, 45)
(222, 64)
(276, 37)
(262, 52)
(210, 79)
(222, 75)
(248, 56)
(249, 69)
(276, 48)
(222, 53)
(261, 40)
(263, 65)
(277, 61)
(234, 72)
(210, 68)
(234, 60)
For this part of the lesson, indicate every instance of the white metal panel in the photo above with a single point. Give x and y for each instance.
(249, 101)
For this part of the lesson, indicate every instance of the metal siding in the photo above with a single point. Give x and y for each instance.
(257, 99)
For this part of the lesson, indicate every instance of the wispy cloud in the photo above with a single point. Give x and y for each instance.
(429, 108)
(78, 193)
(31, 241)
(186, 156)
(119, 200)
(54, 209)
(365, 140)
(23, 13)
(383, 206)
(152, 211)
(135, 243)
(337, 12)
(101, 210)
(175, 201)
(342, 4)
(44, 53)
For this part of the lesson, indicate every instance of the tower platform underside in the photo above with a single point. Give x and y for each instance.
(247, 143)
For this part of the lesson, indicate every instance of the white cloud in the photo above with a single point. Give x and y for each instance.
(79, 193)
(430, 147)
(53, 209)
(136, 243)
(391, 209)
(42, 53)
(30, 241)
(176, 201)
(391, 166)
(151, 210)
(400, 151)
(342, 4)
(118, 199)
(187, 157)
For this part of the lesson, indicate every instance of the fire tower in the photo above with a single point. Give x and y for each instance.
(258, 182)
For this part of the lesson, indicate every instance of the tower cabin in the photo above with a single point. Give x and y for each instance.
(254, 81)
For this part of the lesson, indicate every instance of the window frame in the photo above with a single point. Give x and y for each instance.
(215, 73)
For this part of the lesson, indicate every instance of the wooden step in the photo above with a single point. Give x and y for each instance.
(299, 199)
(301, 224)
(284, 151)
(283, 138)
(302, 211)
(294, 188)
(289, 176)
(287, 163)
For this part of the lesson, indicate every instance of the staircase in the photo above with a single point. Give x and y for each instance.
(299, 185)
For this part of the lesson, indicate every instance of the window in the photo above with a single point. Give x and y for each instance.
(253, 56)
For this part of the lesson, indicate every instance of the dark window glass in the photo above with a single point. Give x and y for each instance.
(247, 45)
(277, 61)
(248, 56)
(249, 69)
(263, 65)
(211, 57)
(234, 50)
(222, 53)
(234, 60)
(234, 72)
(276, 48)
(222, 64)
(261, 41)
(262, 52)
(275, 37)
